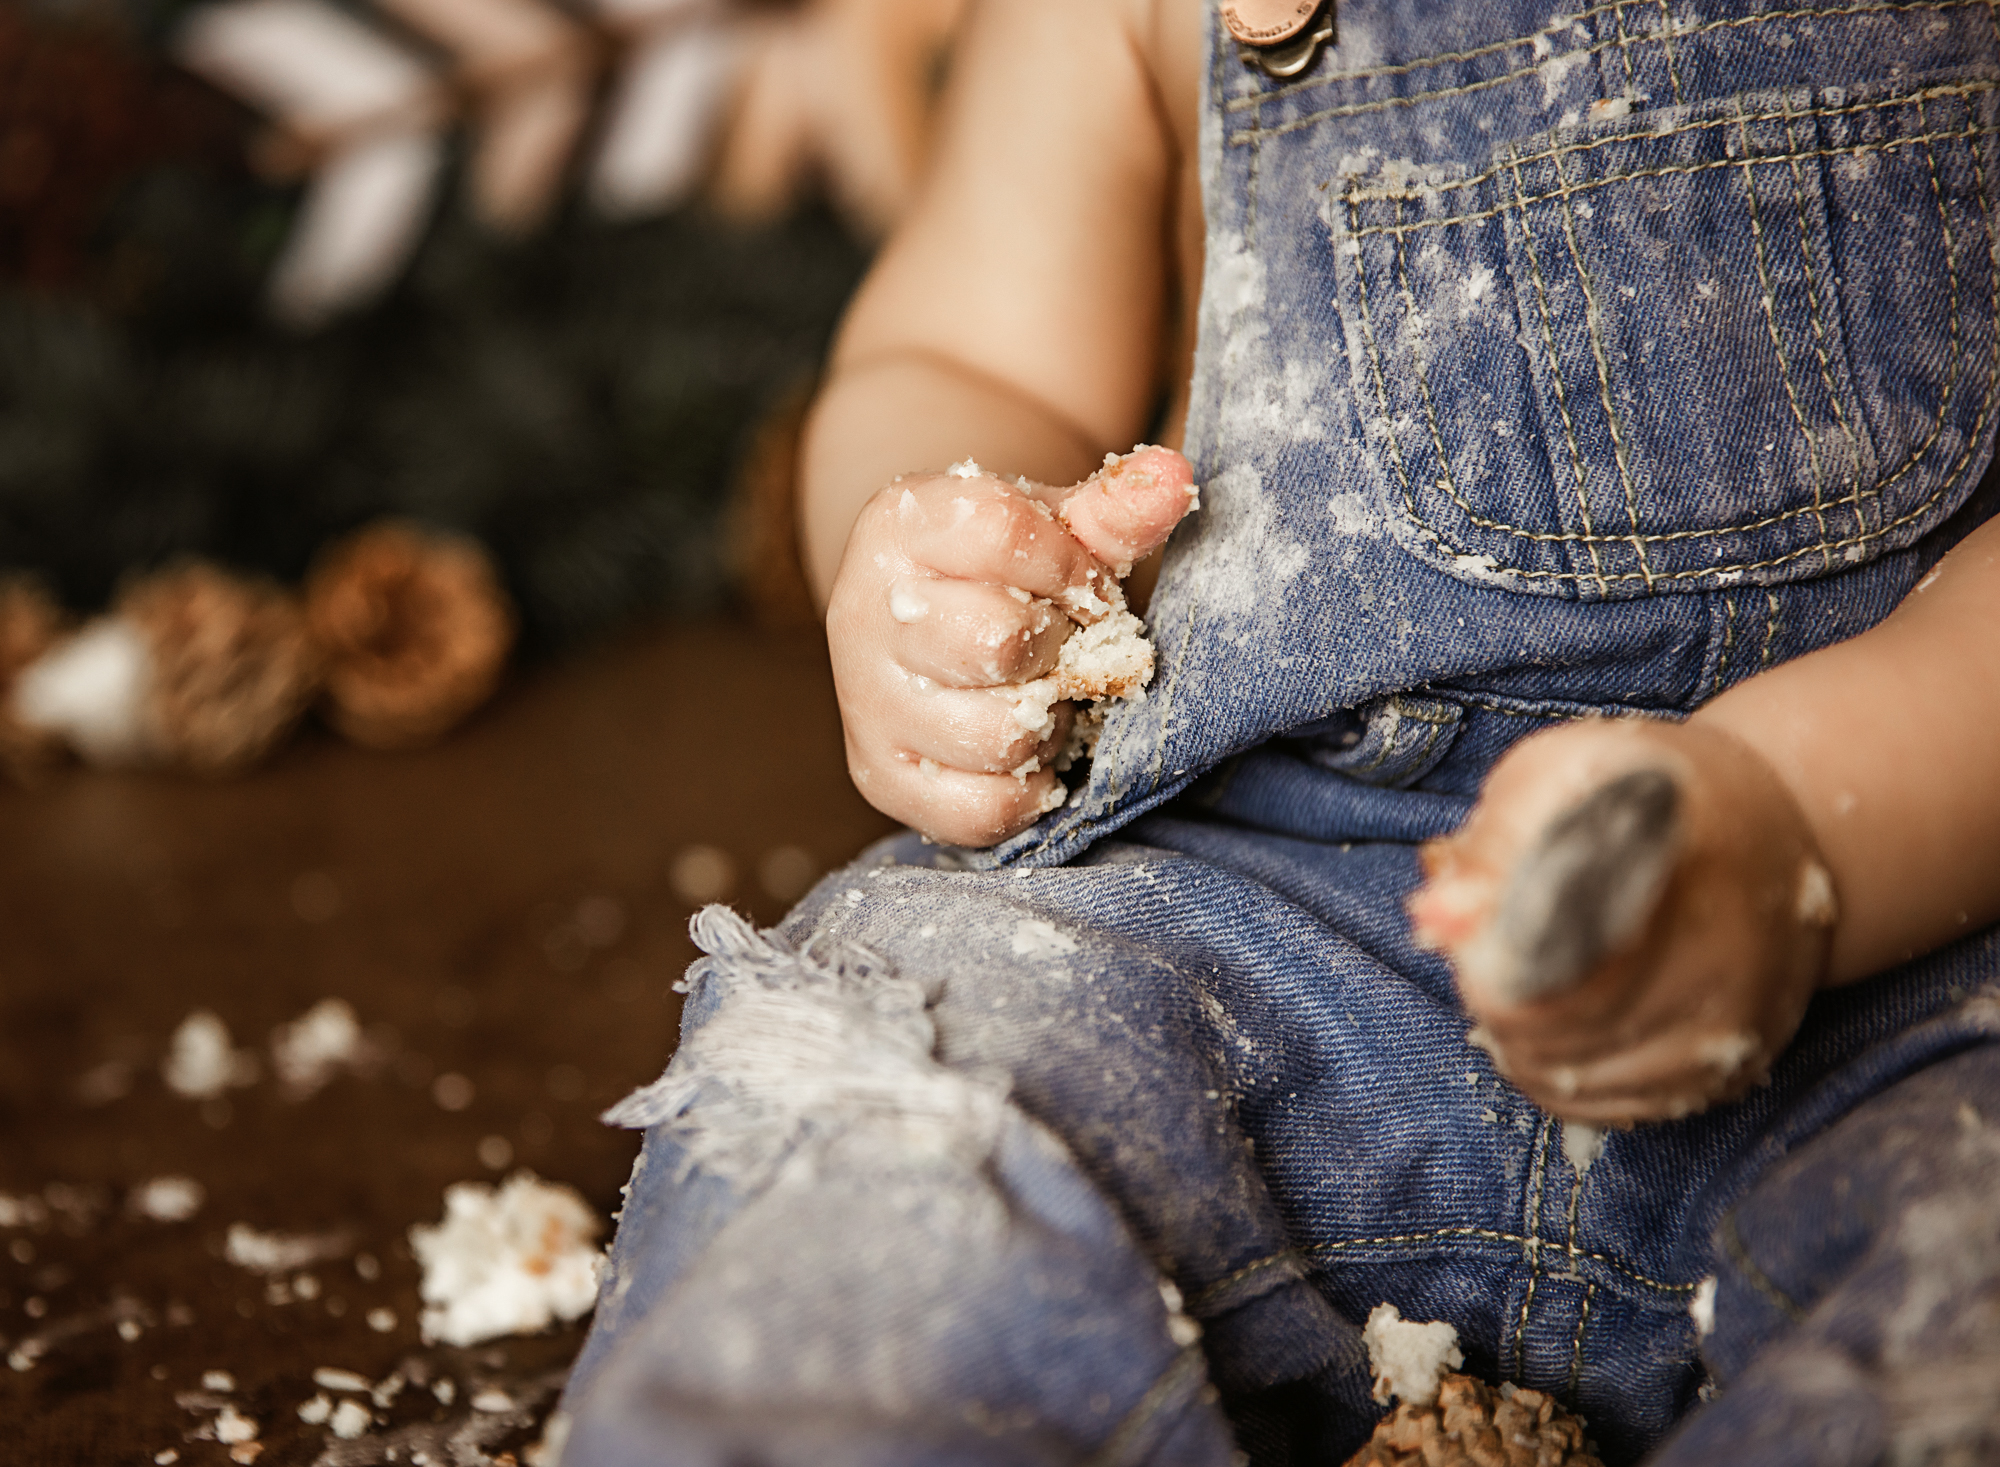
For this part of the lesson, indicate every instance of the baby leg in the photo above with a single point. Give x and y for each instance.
(918, 1188)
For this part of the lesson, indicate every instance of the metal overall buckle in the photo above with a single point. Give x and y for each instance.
(1279, 37)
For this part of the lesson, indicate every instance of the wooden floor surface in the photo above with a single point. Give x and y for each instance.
(508, 910)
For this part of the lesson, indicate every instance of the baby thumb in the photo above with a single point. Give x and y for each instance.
(1126, 510)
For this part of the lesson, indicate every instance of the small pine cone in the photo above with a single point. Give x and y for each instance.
(29, 625)
(414, 630)
(231, 666)
(1474, 1425)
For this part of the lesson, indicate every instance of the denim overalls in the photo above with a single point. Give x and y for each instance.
(1546, 367)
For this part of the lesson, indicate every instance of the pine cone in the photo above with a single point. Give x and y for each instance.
(232, 668)
(414, 630)
(1474, 1425)
(29, 624)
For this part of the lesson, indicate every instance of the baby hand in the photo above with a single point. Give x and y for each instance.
(1637, 915)
(958, 587)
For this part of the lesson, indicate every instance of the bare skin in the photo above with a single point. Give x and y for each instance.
(1694, 1008)
(1027, 314)
(982, 580)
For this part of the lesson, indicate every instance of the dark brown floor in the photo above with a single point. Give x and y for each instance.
(457, 899)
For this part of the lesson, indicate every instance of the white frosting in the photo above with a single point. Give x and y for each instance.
(91, 690)
(1409, 1359)
(504, 1261)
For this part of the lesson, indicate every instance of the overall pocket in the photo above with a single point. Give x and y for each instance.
(1751, 340)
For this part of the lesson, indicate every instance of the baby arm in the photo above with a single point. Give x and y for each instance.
(1833, 816)
(1016, 319)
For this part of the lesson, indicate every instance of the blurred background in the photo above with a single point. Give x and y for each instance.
(401, 635)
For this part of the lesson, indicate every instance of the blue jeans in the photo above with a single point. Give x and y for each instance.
(1545, 368)
(1030, 1167)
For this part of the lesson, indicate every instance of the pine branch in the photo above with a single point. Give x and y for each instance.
(840, 89)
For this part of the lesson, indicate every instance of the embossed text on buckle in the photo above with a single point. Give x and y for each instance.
(1282, 38)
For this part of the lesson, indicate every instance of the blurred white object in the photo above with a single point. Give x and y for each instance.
(374, 111)
(1409, 1358)
(704, 92)
(166, 1199)
(200, 1062)
(316, 1046)
(528, 67)
(361, 221)
(269, 1253)
(661, 123)
(315, 68)
(90, 689)
(506, 1261)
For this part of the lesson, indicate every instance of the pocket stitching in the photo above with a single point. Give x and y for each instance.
(1818, 322)
(1610, 140)
(1971, 134)
(1450, 478)
(1770, 296)
(1618, 450)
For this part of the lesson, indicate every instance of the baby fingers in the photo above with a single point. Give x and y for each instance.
(1126, 510)
(966, 634)
(958, 807)
(979, 730)
(1664, 1076)
(982, 529)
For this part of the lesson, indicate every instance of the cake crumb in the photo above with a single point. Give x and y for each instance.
(1582, 1144)
(316, 1046)
(1108, 660)
(1408, 1358)
(1034, 938)
(1815, 904)
(1701, 1308)
(201, 1063)
(270, 1253)
(350, 1419)
(166, 1199)
(506, 1260)
(231, 1425)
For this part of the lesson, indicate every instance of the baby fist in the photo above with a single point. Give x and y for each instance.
(1637, 915)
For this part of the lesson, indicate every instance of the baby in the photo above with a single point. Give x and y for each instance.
(1587, 415)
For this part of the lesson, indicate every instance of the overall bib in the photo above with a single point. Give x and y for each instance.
(1546, 367)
